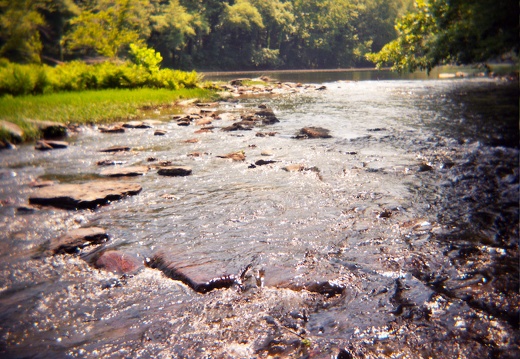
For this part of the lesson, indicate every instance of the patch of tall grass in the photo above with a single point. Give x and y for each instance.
(90, 107)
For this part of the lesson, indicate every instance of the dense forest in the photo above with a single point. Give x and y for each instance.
(263, 34)
(202, 34)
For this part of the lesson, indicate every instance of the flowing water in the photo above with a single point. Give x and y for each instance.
(406, 220)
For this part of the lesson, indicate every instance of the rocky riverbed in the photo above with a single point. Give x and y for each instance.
(299, 221)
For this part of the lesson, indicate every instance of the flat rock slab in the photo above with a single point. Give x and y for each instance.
(45, 145)
(174, 171)
(81, 196)
(78, 238)
(201, 277)
(125, 171)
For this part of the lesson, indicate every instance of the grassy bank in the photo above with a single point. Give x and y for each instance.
(89, 107)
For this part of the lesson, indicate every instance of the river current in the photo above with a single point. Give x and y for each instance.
(406, 219)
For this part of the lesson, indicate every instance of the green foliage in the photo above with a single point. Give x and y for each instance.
(452, 32)
(223, 34)
(145, 57)
(16, 79)
(110, 27)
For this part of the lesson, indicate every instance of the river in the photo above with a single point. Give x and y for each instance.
(399, 238)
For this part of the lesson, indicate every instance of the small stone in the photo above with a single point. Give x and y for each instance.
(160, 132)
(235, 156)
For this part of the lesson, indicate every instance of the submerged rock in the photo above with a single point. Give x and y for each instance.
(125, 171)
(78, 238)
(82, 196)
(118, 262)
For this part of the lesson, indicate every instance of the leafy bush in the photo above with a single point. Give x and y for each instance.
(34, 79)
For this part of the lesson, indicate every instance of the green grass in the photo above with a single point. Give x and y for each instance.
(90, 107)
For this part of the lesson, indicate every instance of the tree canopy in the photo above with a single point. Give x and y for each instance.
(452, 32)
(261, 34)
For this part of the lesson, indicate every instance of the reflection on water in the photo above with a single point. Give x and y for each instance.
(407, 211)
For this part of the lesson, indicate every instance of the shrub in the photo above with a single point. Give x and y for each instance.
(19, 80)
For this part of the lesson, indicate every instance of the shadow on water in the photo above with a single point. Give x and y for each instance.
(486, 112)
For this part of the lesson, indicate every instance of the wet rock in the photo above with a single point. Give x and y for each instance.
(116, 149)
(313, 132)
(26, 209)
(240, 126)
(45, 145)
(204, 121)
(78, 238)
(160, 133)
(264, 162)
(298, 167)
(14, 131)
(201, 278)
(321, 88)
(267, 116)
(205, 129)
(5, 145)
(266, 134)
(235, 156)
(377, 129)
(125, 171)
(50, 129)
(118, 262)
(424, 167)
(111, 129)
(174, 171)
(136, 124)
(82, 196)
(108, 163)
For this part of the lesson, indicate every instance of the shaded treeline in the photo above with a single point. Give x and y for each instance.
(210, 34)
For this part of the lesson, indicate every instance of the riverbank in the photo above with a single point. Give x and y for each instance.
(88, 107)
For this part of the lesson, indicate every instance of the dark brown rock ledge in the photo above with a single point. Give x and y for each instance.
(82, 196)
(201, 278)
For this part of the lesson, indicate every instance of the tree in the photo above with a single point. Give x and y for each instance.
(20, 22)
(452, 32)
(110, 27)
(173, 25)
